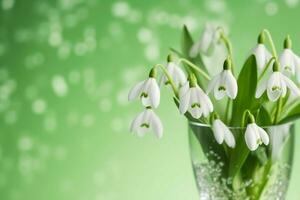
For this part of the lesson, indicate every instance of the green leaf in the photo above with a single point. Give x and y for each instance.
(263, 117)
(292, 115)
(245, 100)
(239, 155)
(246, 91)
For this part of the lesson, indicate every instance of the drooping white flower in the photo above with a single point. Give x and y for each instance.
(277, 86)
(262, 55)
(289, 61)
(148, 91)
(222, 132)
(255, 136)
(206, 43)
(176, 73)
(145, 122)
(223, 84)
(196, 102)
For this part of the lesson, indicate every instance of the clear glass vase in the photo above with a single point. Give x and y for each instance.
(222, 173)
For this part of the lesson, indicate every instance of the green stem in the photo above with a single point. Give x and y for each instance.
(278, 110)
(163, 68)
(274, 52)
(195, 67)
(228, 45)
(246, 114)
(227, 110)
(265, 69)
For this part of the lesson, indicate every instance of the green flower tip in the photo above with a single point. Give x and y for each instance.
(170, 58)
(215, 116)
(276, 66)
(250, 118)
(193, 80)
(153, 73)
(287, 44)
(227, 64)
(261, 38)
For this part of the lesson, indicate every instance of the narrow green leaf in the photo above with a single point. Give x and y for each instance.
(263, 118)
(292, 115)
(245, 100)
(246, 91)
(239, 155)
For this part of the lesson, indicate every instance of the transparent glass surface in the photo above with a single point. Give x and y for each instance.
(225, 173)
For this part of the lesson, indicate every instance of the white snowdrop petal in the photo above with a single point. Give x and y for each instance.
(229, 138)
(195, 50)
(260, 55)
(231, 85)
(136, 122)
(260, 89)
(154, 93)
(274, 82)
(251, 138)
(184, 102)
(218, 131)
(219, 94)
(156, 124)
(291, 85)
(286, 60)
(195, 112)
(263, 135)
(213, 83)
(273, 95)
(206, 41)
(297, 67)
(180, 76)
(184, 89)
(141, 131)
(135, 91)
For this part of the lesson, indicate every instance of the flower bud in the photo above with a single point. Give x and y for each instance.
(287, 44)
(153, 73)
(261, 38)
(227, 64)
(170, 58)
(276, 66)
(192, 80)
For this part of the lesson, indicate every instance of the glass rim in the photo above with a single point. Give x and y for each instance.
(199, 124)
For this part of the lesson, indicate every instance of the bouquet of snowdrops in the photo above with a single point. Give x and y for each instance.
(264, 93)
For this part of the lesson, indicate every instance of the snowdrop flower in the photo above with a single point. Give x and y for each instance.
(147, 90)
(261, 53)
(222, 132)
(206, 42)
(145, 122)
(255, 136)
(289, 60)
(224, 83)
(195, 101)
(277, 85)
(175, 72)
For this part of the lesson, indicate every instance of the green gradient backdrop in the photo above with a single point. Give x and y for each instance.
(65, 70)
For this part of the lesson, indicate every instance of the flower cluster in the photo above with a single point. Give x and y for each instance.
(198, 103)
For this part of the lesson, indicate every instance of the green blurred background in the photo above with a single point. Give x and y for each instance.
(66, 67)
